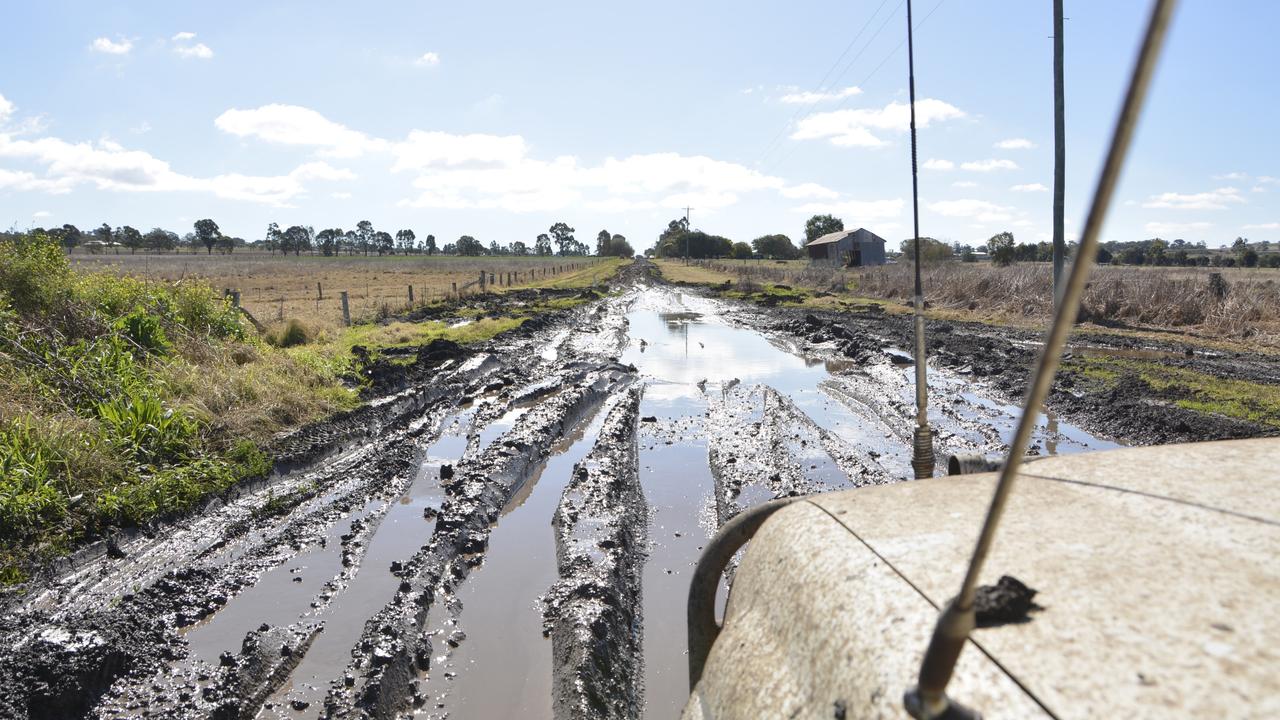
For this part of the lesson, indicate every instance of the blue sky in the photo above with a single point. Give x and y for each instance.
(497, 119)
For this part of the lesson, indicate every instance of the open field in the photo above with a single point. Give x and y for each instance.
(1143, 299)
(307, 287)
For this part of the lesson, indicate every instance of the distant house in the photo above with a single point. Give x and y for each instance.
(854, 248)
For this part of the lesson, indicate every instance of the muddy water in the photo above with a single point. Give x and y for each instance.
(503, 666)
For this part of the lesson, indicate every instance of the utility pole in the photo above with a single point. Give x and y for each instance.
(1059, 155)
(686, 234)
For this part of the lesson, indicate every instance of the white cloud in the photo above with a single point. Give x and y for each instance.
(854, 128)
(937, 164)
(980, 210)
(1029, 187)
(856, 211)
(1267, 179)
(108, 166)
(6, 108)
(295, 125)
(41, 214)
(1164, 228)
(184, 36)
(807, 97)
(1022, 223)
(1015, 144)
(424, 149)
(1218, 199)
(1263, 226)
(964, 184)
(141, 129)
(989, 165)
(428, 60)
(340, 195)
(110, 47)
(804, 191)
(1232, 176)
(199, 50)
(1257, 189)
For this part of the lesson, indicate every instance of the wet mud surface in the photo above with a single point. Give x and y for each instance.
(509, 529)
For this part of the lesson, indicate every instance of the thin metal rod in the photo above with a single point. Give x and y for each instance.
(922, 445)
(928, 700)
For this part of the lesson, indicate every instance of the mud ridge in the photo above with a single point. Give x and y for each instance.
(593, 612)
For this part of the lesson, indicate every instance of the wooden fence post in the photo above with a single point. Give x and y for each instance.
(455, 289)
(346, 310)
(410, 294)
(319, 291)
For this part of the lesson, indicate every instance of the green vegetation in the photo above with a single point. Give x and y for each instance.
(1189, 389)
(127, 400)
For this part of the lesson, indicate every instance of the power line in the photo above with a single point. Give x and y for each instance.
(822, 83)
(865, 80)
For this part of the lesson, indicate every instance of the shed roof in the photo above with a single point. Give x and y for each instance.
(839, 235)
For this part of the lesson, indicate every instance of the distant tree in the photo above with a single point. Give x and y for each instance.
(296, 239)
(819, 225)
(328, 240)
(207, 233)
(562, 235)
(129, 237)
(104, 234)
(192, 241)
(776, 247)
(431, 244)
(227, 244)
(1001, 248)
(619, 247)
(1104, 256)
(741, 251)
(1134, 255)
(542, 246)
(70, 236)
(350, 242)
(671, 243)
(603, 239)
(931, 250)
(274, 239)
(469, 246)
(519, 248)
(967, 254)
(404, 241)
(160, 240)
(385, 244)
(1155, 251)
(1249, 258)
(364, 236)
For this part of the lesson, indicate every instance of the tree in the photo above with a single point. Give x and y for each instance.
(70, 236)
(671, 243)
(159, 240)
(207, 233)
(820, 225)
(519, 248)
(1155, 251)
(931, 251)
(1249, 258)
(468, 245)
(1001, 248)
(1104, 256)
(603, 239)
(297, 238)
(542, 246)
(776, 247)
(562, 235)
(129, 237)
(328, 240)
(741, 251)
(619, 247)
(227, 244)
(385, 244)
(404, 241)
(364, 235)
(431, 244)
(449, 249)
(104, 234)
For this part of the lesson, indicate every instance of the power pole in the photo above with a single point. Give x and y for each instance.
(687, 210)
(1059, 155)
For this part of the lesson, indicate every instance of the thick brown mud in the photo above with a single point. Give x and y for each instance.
(509, 530)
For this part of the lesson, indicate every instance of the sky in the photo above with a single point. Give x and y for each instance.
(498, 119)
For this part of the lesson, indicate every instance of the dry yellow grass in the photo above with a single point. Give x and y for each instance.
(276, 288)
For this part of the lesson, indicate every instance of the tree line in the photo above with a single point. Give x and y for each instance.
(364, 239)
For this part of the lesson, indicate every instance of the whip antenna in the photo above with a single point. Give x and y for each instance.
(922, 441)
(928, 700)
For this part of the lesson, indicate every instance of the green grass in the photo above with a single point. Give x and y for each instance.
(1193, 390)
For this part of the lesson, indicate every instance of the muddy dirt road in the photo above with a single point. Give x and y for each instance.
(506, 531)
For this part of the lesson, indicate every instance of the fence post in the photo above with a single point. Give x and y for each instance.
(490, 278)
(455, 289)
(481, 281)
(410, 294)
(235, 298)
(319, 291)
(346, 310)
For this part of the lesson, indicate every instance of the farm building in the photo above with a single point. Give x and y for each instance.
(854, 248)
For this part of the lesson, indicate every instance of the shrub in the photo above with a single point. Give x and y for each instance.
(145, 330)
(34, 274)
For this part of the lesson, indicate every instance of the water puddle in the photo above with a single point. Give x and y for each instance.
(503, 666)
